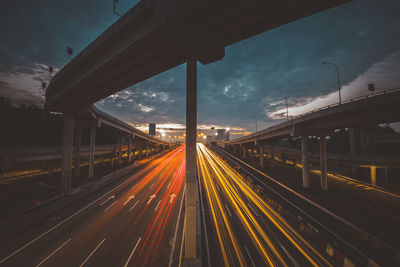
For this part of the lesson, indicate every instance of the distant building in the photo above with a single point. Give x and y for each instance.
(210, 138)
(228, 136)
(221, 134)
(152, 129)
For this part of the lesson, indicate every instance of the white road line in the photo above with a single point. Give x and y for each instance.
(104, 202)
(290, 256)
(176, 228)
(133, 206)
(133, 251)
(54, 252)
(157, 205)
(129, 199)
(252, 209)
(168, 185)
(251, 258)
(151, 185)
(228, 210)
(69, 218)
(218, 188)
(91, 254)
(110, 206)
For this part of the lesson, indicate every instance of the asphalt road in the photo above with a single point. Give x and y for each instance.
(131, 223)
(340, 241)
(249, 232)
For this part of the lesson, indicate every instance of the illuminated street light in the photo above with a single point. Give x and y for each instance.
(255, 120)
(338, 78)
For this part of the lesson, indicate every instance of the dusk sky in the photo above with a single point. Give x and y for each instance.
(361, 37)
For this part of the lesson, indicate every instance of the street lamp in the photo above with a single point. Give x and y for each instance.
(287, 109)
(255, 120)
(338, 77)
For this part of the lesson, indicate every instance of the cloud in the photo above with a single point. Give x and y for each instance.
(385, 75)
(253, 78)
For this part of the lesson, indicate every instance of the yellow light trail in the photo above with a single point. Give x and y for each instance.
(214, 201)
(251, 225)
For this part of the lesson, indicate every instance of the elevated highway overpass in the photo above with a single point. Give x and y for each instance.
(359, 112)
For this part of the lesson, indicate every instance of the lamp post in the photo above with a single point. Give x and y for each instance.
(338, 77)
(255, 120)
(287, 109)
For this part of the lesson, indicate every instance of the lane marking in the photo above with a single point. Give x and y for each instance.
(168, 185)
(288, 254)
(54, 252)
(172, 198)
(133, 206)
(228, 210)
(70, 217)
(251, 258)
(151, 185)
(91, 254)
(111, 197)
(157, 205)
(129, 199)
(110, 206)
(133, 251)
(176, 228)
(151, 198)
(252, 209)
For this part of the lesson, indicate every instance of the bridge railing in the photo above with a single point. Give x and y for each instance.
(293, 118)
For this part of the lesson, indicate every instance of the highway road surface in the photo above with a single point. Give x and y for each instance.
(248, 230)
(132, 224)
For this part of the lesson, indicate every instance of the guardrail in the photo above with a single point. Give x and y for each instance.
(294, 118)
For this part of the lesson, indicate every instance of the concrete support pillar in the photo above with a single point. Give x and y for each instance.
(147, 150)
(78, 143)
(261, 155)
(235, 149)
(140, 152)
(304, 159)
(373, 174)
(386, 177)
(251, 153)
(352, 140)
(272, 155)
(119, 149)
(130, 150)
(67, 149)
(323, 163)
(363, 140)
(191, 168)
(92, 144)
(244, 151)
(115, 152)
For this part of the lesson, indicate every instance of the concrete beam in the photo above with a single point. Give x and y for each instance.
(323, 163)
(67, 148)
(304, 159)
(191, 166)
(92, 144)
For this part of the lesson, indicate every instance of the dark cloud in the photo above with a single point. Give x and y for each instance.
(251, 80)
